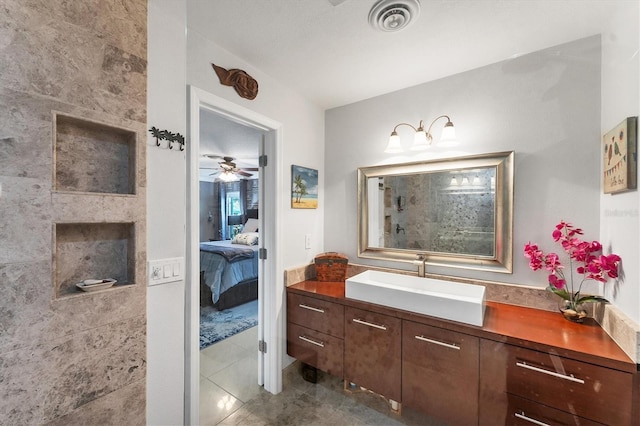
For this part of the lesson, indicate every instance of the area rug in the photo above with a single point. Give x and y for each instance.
(217, 325)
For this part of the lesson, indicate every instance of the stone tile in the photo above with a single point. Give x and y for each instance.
(26, 294)
(25, 136)
(117, 21)
(622, 329)
(219, 356)
(240, 379)
(25, 229)
(72, 371)
(215, 403)
(243, 417)
(247, 339)
(39, 55)
(125, 406)
(299, 274)
(85, 311)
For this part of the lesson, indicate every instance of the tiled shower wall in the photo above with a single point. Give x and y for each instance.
(69, 357)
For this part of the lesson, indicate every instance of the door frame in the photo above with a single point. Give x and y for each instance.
(271, 277)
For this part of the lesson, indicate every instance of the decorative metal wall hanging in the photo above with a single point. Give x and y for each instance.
(165, 135)
(245, 85)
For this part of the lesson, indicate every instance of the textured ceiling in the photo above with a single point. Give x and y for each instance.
(331, 55)
(221, 136)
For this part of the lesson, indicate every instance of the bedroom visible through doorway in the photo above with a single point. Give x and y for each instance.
(266, 230)
(229, 273)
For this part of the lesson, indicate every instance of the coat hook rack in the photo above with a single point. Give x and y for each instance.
(165, 135)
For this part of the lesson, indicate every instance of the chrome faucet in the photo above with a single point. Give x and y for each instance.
(422, 264)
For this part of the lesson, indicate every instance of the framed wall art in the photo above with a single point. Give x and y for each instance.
(304, 188)
(620, 162)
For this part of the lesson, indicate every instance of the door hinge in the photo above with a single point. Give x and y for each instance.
(262, 161)
(262, 253)
(262, 346)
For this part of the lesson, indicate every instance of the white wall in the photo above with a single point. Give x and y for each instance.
(303, 138)
(166, 184)
(545, 106)
(620, 97)
(551, 108)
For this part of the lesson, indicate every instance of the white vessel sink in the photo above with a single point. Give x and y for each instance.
(442, 299)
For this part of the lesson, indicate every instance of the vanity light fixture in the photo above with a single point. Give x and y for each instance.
(421, 139)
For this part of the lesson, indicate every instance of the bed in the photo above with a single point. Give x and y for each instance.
(229, 271)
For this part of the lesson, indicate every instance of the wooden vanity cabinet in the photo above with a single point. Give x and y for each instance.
(440, 370)
(523, 386)
(519, 368)
(372, 351)
(315, 332)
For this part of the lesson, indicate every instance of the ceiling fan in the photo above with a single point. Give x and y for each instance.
(228, 168)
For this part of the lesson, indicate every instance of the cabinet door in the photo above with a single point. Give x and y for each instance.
(440, 373)
(372, 351)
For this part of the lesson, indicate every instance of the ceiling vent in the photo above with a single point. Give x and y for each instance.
(393, 15)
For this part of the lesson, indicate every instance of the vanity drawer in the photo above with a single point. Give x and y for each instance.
(590, 391)
(316, 314)
(314, 348)
(522, 412)
(440, 369)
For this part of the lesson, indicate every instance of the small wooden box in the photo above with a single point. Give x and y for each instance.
(331, 266)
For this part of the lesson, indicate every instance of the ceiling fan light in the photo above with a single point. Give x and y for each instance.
(228, 176)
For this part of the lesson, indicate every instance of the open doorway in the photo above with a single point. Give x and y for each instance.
(229, 183)
(228, 225)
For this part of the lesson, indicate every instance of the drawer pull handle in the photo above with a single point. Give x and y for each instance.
(311, 308)
(530, 420)
(550, 373)
(435, 342)
(313, 342)
(370, 324)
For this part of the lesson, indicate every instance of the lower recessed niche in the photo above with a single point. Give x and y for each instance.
(92, 251)
(93, 157)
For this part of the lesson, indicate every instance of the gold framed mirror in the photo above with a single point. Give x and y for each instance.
(455, 212)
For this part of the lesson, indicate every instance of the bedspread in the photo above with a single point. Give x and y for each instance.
(221, 274)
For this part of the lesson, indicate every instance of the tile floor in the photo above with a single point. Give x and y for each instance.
(229, 394)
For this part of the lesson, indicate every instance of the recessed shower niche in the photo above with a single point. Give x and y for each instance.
(92, 251)
(93, 157)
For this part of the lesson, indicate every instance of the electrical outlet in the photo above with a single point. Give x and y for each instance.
(307, 241)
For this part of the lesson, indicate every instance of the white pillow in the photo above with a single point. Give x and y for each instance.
(250, 226)
(246, 238)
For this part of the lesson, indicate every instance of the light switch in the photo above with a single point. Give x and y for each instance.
(163, 271)
(307, 241)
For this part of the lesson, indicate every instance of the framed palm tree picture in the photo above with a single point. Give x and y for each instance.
(304, 188)
(620, 162)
